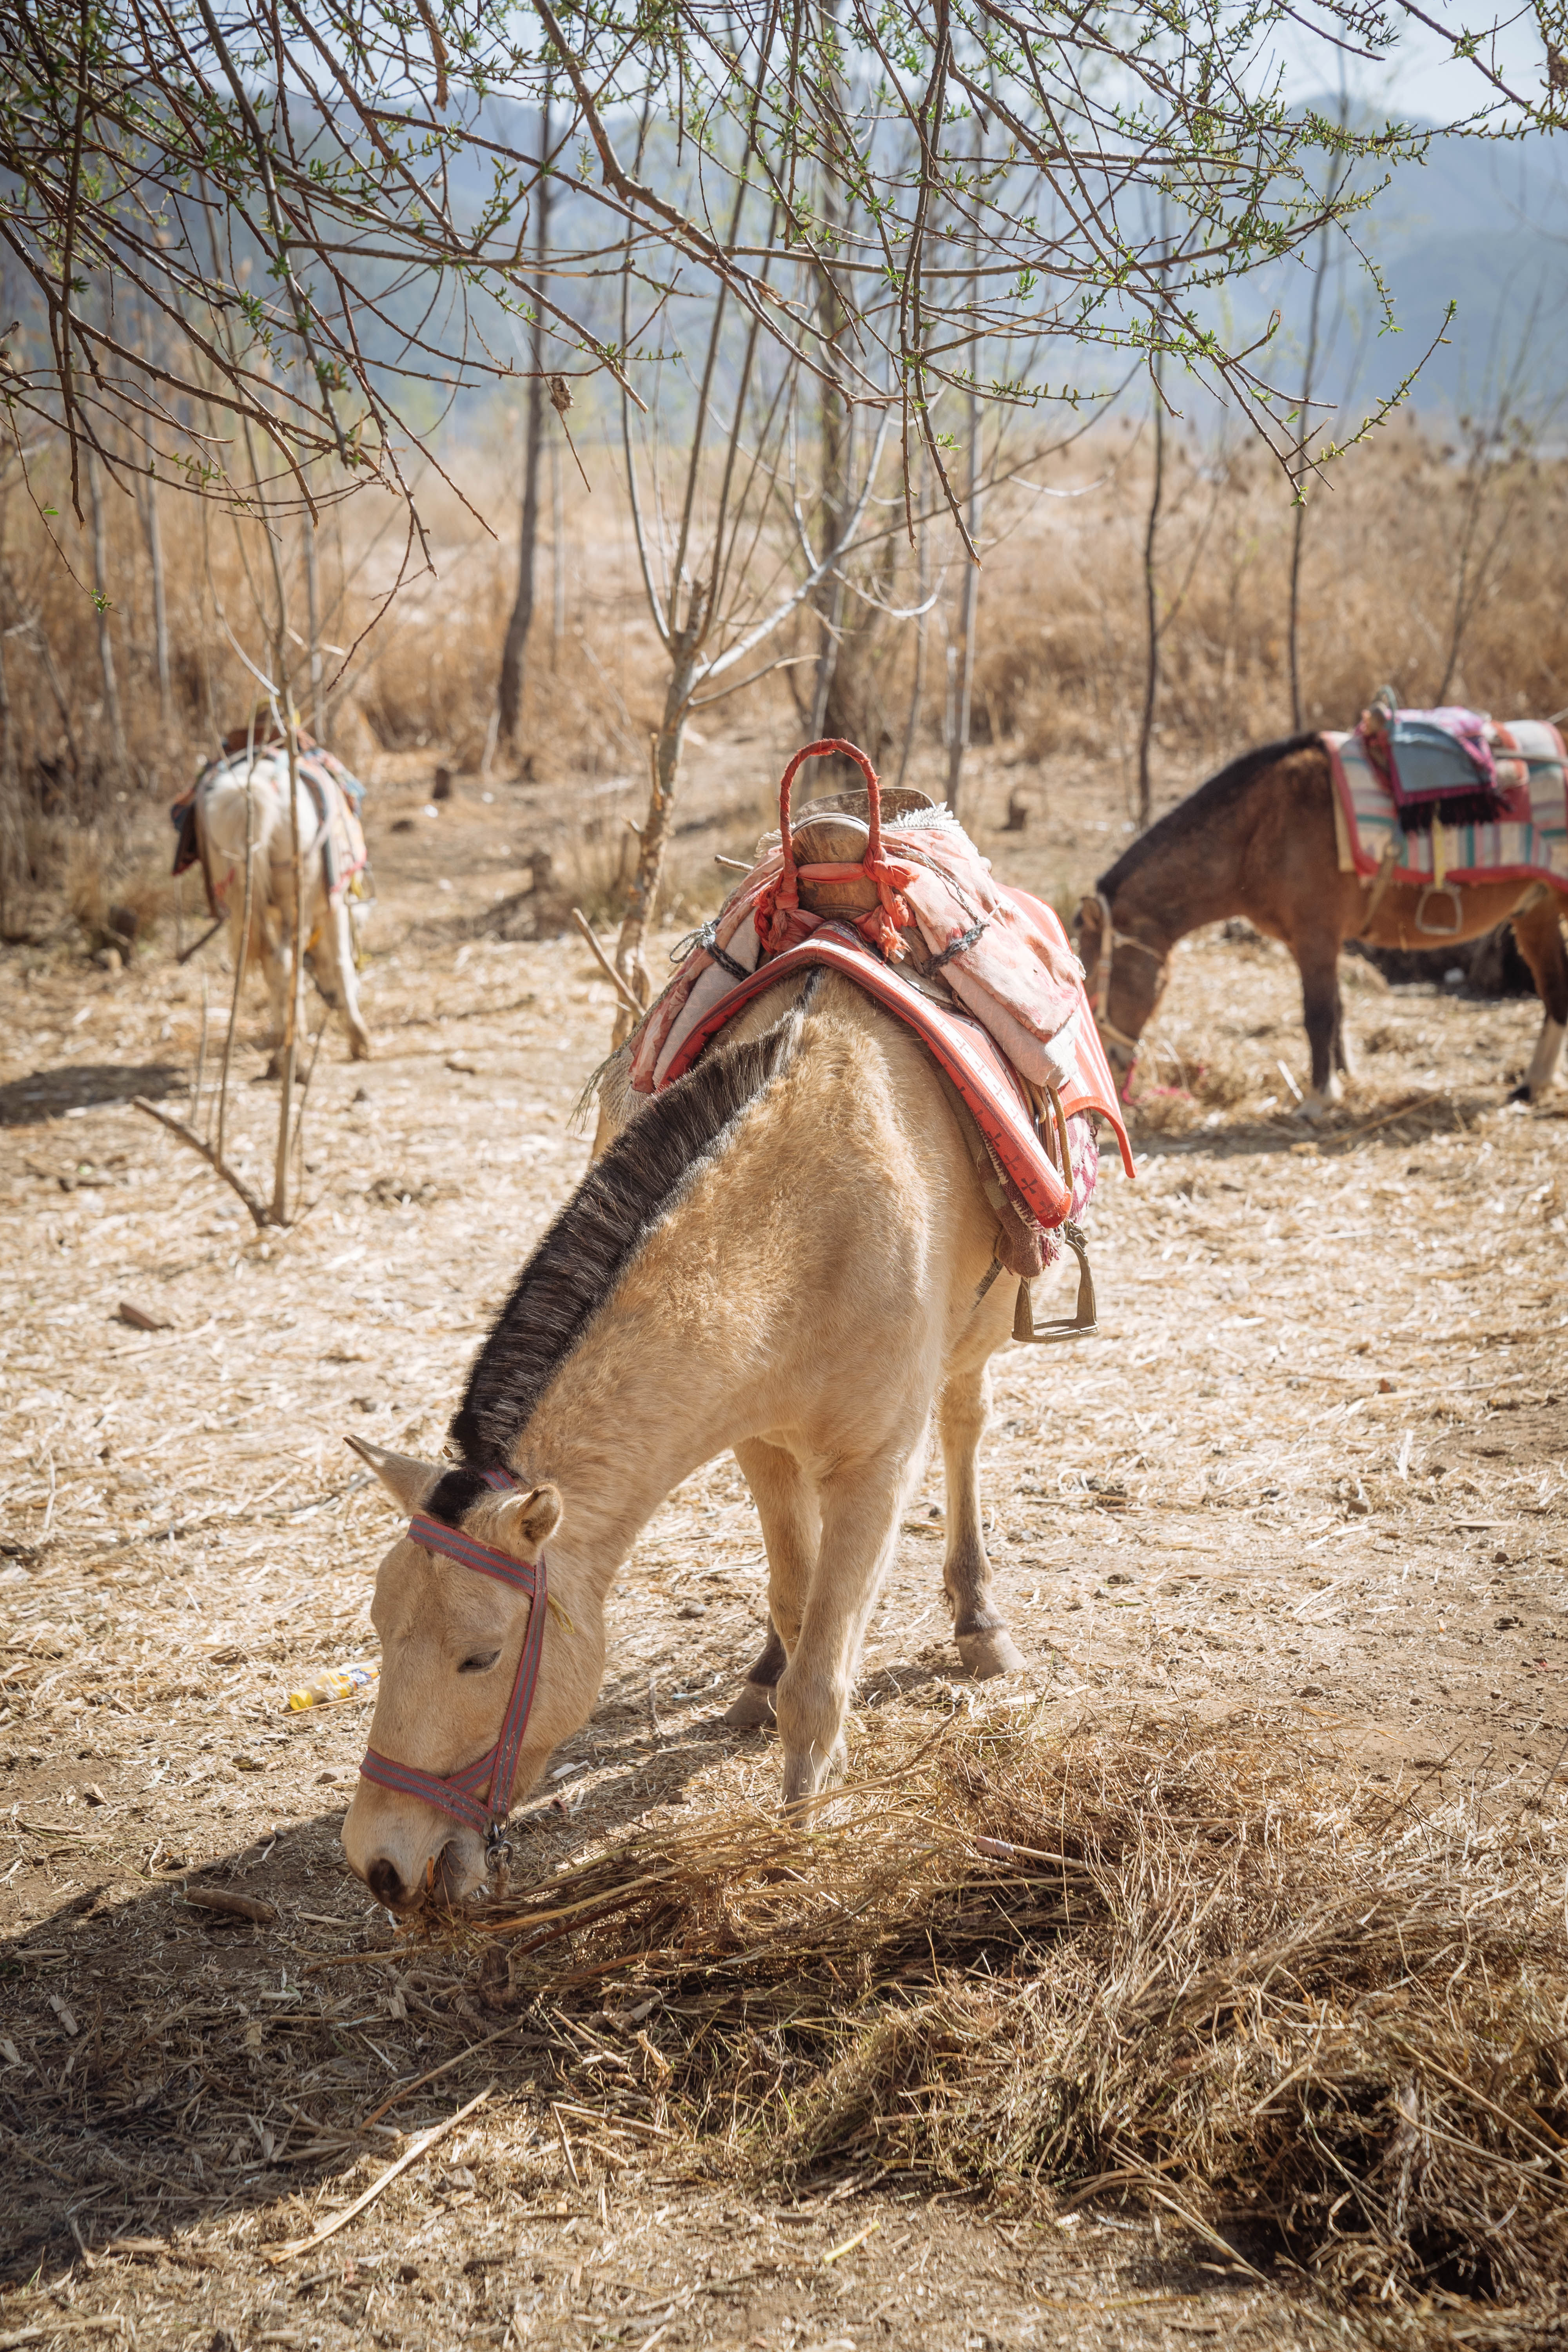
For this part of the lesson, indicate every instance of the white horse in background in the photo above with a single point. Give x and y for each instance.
(237, 803)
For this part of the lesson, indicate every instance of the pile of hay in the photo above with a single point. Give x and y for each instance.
(1180, 1967)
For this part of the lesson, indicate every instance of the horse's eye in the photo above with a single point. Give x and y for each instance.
(480, 1663)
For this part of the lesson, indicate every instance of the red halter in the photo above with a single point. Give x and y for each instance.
(480, 1794)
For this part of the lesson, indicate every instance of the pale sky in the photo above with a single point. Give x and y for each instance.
(1423, 78)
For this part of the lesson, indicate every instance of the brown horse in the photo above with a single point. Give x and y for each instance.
(1258, 840)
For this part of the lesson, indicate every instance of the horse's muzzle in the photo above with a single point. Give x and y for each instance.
(450, 1876)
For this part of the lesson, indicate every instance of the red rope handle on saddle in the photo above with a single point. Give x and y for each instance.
(776, 907)
(829, 745)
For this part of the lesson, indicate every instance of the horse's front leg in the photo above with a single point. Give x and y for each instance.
(979, 1627)
(1538, 930)
(791, 1533)
(861, 1504)
(1319, 962)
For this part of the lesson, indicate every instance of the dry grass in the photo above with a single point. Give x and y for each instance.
(1060, 672)
(1060, 665)
(1192, 1969)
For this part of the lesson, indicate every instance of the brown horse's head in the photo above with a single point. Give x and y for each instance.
(450, 1641)
(1125, 977)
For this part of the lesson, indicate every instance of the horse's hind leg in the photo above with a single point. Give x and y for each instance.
(337, 966)
(979, 1627)
(1538, 929)
(1341, 1051)
(792, 1531)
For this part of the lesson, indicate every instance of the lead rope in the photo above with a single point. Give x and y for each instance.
(1110, 939)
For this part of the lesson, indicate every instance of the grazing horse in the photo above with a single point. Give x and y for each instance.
(235, 802)
(1258, 840)
(786, 1255)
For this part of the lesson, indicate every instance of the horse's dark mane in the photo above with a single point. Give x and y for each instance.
(1209, 798)
(576, 1266)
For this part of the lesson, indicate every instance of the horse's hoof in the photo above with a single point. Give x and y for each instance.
(1519, 1093)
(986, 1654)
(751, 1708)
(361, 1049)
(806, 1789)
(1310, 1108)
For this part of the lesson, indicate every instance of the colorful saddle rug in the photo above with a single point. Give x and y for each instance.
(1525, 839)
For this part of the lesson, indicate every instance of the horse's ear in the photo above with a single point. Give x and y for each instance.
(1091, 915)
(406, 1480)
(526, 1522)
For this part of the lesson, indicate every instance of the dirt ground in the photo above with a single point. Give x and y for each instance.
(1310, 1478)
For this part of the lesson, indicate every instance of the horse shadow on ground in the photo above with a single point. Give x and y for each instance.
(173, 2062)
(173, 2072)
(44, 1095)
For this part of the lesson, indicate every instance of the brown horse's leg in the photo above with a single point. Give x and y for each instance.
(792, 1531)
(979, 1627)
(1319, 962)
(1538, 929)
(1341, 1051)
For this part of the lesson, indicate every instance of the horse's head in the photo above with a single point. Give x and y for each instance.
(452, 1641)
(1125, 978)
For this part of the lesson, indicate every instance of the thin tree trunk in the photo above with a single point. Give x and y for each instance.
(969, 595)
(243, 953)
(1152, 606)
(101, 600)
(833, 693)
(297, 964)
(1334, 189)
(1299, 519)
(918, 685)
(13, 833)
(313, 623)
(664, 764)
(557, 553)
(514, 653)
(152, 529)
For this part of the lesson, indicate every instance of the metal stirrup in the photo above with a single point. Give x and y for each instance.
(1082, 1323)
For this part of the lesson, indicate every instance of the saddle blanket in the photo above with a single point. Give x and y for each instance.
(1528, 841)
(337, 795)
(1024, 1180)
(1000, 951)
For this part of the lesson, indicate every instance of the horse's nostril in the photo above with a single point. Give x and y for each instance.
(384, 1882)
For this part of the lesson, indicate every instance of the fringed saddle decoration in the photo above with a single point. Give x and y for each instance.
(1446, 765)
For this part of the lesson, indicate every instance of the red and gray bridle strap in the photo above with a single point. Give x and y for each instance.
(479, 1795)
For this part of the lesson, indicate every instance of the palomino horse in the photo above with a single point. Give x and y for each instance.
(1257, 840)
(786, 1255)
(239, 801)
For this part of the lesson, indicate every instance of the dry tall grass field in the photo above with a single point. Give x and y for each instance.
(1210, 1977)
(1437, 565)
